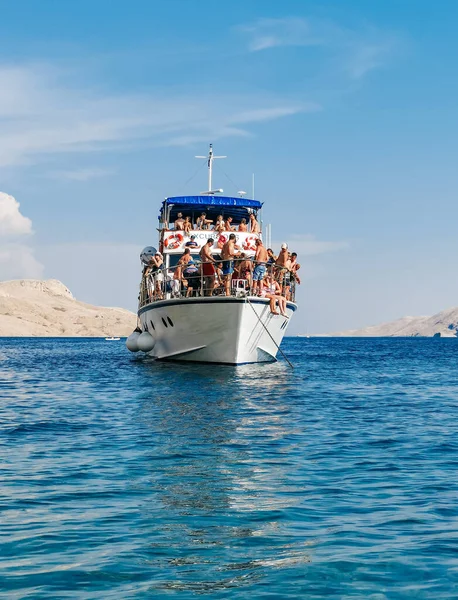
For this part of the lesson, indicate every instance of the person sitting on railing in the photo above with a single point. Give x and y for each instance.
(254, 225)
(271, 290)
(228, 253)
(202, 222)
(220, 225)
(187, 226)
(229, 226)
(208, 269)
(179, 223)
(243, 226)
(260, 260)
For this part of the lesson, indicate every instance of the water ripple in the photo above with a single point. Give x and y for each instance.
(127, 478)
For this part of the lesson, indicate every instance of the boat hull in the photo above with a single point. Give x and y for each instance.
(215, 329)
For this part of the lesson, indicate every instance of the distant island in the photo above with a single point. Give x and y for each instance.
(443, 324)
(34, 308)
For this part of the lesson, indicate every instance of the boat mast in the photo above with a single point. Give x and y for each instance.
(210, 158)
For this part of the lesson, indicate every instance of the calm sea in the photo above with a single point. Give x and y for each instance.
(126, 478)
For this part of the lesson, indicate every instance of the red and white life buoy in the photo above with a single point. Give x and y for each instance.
(222, 240)
(174, 241)
(250, 242)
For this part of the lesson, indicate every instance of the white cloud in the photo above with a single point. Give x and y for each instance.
(42, 112)
(16, 259)
(358, 50)
(12, 222)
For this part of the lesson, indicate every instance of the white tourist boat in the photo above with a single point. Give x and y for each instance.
(216, 328)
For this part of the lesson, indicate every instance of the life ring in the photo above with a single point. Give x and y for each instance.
(250, 242)
(221, 241)
(174, 241)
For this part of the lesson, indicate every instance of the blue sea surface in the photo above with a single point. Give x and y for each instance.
(122, 477)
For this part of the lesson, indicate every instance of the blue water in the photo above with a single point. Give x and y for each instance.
(126, 478)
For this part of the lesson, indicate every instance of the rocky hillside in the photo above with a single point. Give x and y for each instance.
(31, 307)
(443, 324)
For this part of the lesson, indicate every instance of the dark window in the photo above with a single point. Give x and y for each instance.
(146, 327)
(170, 321)
(152, 325)
(165, 322)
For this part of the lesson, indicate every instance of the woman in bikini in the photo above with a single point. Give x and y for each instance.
(272, 291)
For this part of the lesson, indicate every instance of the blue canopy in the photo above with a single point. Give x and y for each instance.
(192, 206)
(199, 201)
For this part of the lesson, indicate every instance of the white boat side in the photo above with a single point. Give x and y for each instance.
(220, 329)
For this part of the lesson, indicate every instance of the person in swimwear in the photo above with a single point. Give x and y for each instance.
(187, 225)
(254, 225)
(192, 243)
(203, 222)
(220, 225)
(260, 261)
(245, 269)
(228, 253)
(179, 223)
(295, 266)
(283, 269)
(272, 258)
(208, 268)
(272, 291)
(229, 226)
(243, 226)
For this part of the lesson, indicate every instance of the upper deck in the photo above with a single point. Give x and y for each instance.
(174, 241)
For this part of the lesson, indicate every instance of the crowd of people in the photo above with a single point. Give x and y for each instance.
(265, 275)
(186, 225)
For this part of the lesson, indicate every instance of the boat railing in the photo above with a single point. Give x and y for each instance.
(183, 281)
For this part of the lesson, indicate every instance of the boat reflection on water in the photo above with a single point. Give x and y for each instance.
(221, 475)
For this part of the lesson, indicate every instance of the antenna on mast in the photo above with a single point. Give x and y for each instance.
(210, 159)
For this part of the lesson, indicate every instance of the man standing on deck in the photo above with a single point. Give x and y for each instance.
(227, 254)
(295, 266)
(260, 260)
(283, 265)
(208, 269)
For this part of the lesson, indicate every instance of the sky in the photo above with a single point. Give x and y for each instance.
(346, 112)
